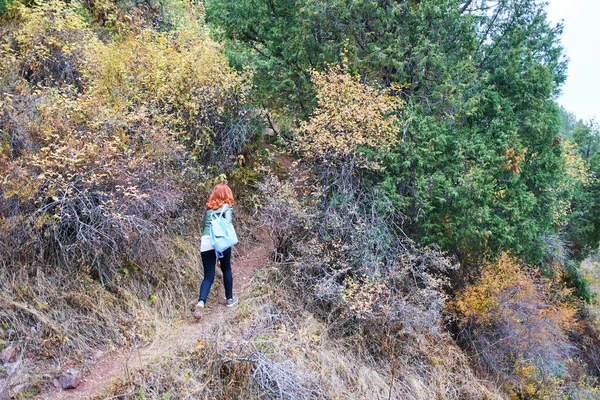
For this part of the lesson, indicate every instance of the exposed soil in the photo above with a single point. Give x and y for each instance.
(179, 335)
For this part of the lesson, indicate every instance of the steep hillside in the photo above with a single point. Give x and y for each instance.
(418, 218)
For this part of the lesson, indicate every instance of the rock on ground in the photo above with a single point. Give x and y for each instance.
(8, 355)
(70, 379)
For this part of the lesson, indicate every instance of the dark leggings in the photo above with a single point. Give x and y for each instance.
(209, 261)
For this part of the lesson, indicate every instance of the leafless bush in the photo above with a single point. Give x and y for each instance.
(84, 216)
(555, 248)
(376, 291)
(352, 239)
(238, 128)
(286, 220)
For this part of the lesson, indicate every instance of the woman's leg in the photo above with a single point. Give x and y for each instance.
(225, 264)
(209, 261)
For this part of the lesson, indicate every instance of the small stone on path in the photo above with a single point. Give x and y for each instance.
(8, 355)
(70, 379)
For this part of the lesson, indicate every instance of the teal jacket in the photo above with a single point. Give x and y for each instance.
(208, 216)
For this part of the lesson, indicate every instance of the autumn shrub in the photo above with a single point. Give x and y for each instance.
(90, 177)
(340, 242)
(108, 146)
(351, 118)
(49, 42)
(519, 323)
(180, 80)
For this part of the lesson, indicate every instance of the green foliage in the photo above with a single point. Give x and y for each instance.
(583, 229)
(483, 160)
(477, 166)
(575, 279)
(4, 4)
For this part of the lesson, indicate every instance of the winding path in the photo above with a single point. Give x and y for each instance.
(181, 334)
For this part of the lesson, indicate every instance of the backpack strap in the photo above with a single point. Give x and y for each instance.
(214, 216)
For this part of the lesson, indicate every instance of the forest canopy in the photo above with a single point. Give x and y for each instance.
(481, 166)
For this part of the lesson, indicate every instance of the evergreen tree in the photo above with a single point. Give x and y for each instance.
(479, 164)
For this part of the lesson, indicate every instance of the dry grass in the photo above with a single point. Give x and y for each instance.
(53, 317)
(275, 348)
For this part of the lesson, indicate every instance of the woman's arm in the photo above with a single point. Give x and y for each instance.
(229, 213)
(204, 221)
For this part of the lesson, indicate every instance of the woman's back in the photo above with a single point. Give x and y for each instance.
(209, 214)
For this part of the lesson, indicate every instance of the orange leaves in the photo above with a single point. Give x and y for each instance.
(350, 114)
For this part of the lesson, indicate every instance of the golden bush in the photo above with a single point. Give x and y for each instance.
(104, 141)
(178, 79)
(350, 115)
(518, 323)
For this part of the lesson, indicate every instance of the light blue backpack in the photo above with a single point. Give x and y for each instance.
(222, 233)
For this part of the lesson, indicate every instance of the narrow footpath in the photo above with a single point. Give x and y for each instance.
(180, 334)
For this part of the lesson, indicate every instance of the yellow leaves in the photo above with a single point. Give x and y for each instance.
(349, 114)
(519, 301)
(506, 283)
(577, 174)
(178, 79)
(577, 169)
(50, 27)
(152, 299)
(520, 321)
(514, 158)
(363, 295)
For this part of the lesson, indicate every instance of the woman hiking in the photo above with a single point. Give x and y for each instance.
(219, 205)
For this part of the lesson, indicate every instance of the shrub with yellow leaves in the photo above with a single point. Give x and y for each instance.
(104, 141)
(51, 39)
(518, 323)
(108, 144)
(180, 81)
(350, 115)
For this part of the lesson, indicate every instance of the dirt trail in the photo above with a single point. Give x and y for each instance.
(179, 335)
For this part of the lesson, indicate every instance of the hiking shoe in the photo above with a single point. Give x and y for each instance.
(199, 310)
(231, 302)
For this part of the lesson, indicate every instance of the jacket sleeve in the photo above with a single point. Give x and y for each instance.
(204, 221)
(229, 213)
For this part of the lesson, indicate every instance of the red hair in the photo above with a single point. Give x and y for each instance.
(220, 195)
